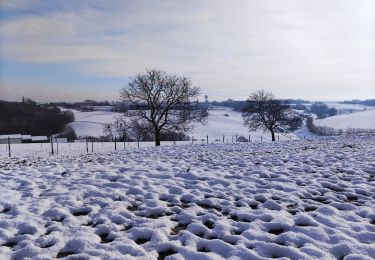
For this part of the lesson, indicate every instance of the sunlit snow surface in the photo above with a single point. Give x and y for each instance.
(297, 200)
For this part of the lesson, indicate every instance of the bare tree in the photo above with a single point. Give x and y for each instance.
(108, 131)
(120, 127)
(264, 111)
(161, 102)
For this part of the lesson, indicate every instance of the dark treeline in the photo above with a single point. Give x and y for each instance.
(28, 117)
(367, 102)
(322, 110)
(86, 105)
(236, 105)
(240, 105)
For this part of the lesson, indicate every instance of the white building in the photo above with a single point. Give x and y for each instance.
(18, 138)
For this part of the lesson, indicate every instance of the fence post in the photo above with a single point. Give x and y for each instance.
(192, 139)
(87, 146)
(57, 147)
(261, 139)
(9, 145)
(223, 138)
(249, 138)
(236, 138)
(92, 146)
(51, 145)
(207, 139)
(138, 142)
(115, 144)
(278, 137)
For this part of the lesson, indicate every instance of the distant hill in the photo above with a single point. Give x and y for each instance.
(363, 120)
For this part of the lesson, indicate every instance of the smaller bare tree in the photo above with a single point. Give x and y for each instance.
(264, 111)
(161, 102)
(120, 127)
(108, 131)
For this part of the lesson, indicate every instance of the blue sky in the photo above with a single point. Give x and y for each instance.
(74, 50)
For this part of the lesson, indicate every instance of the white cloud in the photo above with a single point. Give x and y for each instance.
(313, 49)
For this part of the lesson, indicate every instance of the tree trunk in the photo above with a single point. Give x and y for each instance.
(273, 135)
(157, 138)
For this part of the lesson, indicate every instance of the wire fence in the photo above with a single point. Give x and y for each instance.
(54, 148)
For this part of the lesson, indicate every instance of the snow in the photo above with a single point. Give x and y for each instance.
(291, 200)
(364, 119)
(343, 106)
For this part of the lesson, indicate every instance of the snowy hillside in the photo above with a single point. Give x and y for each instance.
(220, 122)
(364, 119)
(91, 123)
(294, 200)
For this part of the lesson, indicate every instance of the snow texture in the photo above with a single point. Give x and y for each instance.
(288, 200)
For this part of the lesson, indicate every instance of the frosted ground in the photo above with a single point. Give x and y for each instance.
(290, 200)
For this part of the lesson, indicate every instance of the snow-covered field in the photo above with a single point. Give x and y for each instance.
(91, 124)
(289, 200)
(364, 119)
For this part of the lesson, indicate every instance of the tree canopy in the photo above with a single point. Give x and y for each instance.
(162, 102)
(263, 111)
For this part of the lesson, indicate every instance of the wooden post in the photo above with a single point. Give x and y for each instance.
(261, 139)
(51, 145)
(278, 138)
(92, 146)
(236, 138)
(207, 139)
(57, 147)
(115, 143)
(249, 138)
(223, 138)
(9, 146)
(192, 139)
(125, 139)
(138, 142)
(87, 145)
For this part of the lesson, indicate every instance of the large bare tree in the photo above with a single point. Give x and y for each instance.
(161, 102)
(264, 111)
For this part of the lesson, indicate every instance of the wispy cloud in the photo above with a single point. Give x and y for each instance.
(311, 49)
